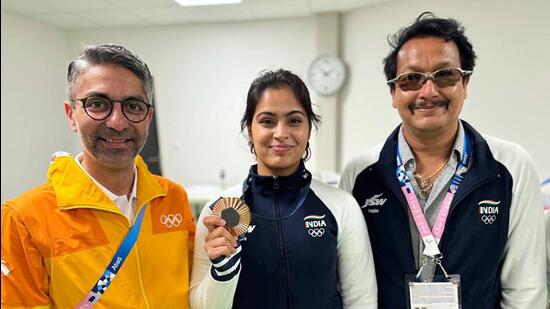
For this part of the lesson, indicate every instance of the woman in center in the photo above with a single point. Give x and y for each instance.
(307, 245)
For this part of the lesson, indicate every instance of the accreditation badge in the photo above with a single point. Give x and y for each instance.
(443, 292)
(234, 212)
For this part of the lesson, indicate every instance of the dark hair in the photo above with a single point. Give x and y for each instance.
(109, 54)
(427, 24)
(278, 79)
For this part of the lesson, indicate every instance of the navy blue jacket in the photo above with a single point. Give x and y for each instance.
(473, 246)
(303, 246)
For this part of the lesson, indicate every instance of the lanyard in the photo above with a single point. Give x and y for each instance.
(116, 263)
(432, 237)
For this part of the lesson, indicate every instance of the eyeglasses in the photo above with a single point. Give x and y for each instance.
(100, 108)
(413, 81)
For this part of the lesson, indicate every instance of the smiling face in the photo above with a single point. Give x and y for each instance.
(430, 111)
(113, 142)
(279, 132)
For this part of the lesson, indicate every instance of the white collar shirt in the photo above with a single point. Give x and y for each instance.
(126, 205)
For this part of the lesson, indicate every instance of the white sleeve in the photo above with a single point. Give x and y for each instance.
(356, 274)
(357, 165)
(355, 261)
(523, 275)
(211, 287)
(348, 179)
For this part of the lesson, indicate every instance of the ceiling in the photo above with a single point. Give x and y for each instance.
(87, 14)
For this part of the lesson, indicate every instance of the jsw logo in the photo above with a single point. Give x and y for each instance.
(375, 201)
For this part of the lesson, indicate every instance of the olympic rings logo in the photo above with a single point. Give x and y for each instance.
(316, 232)
(171, 220)
(488, 219)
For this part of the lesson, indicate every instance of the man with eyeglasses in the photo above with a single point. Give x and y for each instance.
(454, 217)
(103, 231)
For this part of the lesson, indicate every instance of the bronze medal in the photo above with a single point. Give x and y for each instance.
(234, 212)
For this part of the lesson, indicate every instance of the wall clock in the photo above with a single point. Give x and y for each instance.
(327, 74)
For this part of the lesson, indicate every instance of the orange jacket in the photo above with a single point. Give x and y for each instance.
(58, 238)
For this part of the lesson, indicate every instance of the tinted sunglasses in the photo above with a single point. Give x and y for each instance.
(413, 81)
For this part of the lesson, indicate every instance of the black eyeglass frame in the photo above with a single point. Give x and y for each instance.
(112, 103)
(427, 76)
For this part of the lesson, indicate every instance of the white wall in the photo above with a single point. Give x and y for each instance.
(508, 93)
(34, 60)
(202, 74)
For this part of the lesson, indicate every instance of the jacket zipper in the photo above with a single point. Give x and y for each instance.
(140, 276)
(280, 240)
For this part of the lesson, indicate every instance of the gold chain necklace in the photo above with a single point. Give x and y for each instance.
(426, 183)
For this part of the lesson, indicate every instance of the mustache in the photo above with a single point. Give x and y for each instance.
(109, 133)
(428, 104)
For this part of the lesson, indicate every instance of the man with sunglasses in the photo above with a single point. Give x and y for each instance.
(102, 220)
(454, 217)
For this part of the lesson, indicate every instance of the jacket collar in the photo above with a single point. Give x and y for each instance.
(483, 167)
(265, 185)
(74, 189)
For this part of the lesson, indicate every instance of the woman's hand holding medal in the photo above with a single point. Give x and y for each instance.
(219, 241)
(230, 218)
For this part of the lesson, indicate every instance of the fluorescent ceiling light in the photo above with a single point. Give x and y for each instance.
(205, 2)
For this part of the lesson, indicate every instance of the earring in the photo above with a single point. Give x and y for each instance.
(307, 153)
(251, 145)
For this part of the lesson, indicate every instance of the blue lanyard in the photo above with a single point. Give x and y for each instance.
(116, 263)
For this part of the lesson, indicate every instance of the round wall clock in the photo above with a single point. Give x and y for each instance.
(327, 74)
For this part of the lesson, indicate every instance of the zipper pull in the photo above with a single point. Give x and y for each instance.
(275, 182)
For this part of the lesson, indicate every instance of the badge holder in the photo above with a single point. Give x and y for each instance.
(443, 292)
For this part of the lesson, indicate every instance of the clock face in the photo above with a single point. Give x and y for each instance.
(327, 74)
